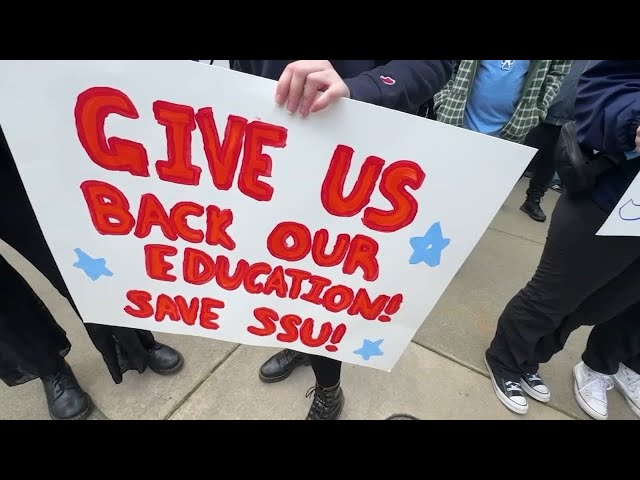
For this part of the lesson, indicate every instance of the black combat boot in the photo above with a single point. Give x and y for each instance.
(280, 366)
(531, 207)
(327, 403)
(65, 398)
(164, 359)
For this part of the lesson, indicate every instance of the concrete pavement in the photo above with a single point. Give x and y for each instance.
(440, 376)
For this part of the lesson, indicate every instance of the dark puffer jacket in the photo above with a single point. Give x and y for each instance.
(561, 109)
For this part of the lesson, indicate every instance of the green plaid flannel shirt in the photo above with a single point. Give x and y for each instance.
(541, 86)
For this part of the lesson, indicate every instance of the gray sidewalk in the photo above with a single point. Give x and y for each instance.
(440, 376)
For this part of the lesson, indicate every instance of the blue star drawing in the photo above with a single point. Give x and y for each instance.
(93, 267)
(369, 349)
(428, 248)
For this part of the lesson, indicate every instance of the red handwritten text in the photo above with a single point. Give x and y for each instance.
(395, 178)
(199, 268)
(357, 253)
(110, 214)
(294, 328)
(96, 104)
(176, 308)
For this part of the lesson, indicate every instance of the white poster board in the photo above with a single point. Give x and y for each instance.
(624, 221)
(269, 249)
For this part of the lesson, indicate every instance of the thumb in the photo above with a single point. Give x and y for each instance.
(335, 91)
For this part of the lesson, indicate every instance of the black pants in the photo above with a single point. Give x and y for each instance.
(32, 344)
(327, 370)
(582, 279)
(543, 137)
(122, 348)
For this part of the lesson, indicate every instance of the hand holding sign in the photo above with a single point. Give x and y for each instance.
(302, 81)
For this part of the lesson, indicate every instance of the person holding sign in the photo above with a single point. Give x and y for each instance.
(308, 86)
(32, 345)
(583, 278)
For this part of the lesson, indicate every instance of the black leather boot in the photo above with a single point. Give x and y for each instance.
(532, 208)
(164, 359)
(280, 366)
(327, 403)
(65, 398)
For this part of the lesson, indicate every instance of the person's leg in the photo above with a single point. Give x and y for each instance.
(544, 137)
(32, 345)
(607, 303)
(614, 342)
(574, 264)
(633, 363)
(328, 400)
(611, 346)
(121, 348)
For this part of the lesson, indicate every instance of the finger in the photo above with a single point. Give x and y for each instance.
(296, 89)
(334, 92)
(316, 82)
(284, 83)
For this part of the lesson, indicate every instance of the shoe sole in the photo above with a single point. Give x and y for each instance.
(522, 209)
(584, 405)
(519, 409)
(284, 376)
(534, 393)
(402, 416)
(634, 408)
(172, 370)
(82, 415)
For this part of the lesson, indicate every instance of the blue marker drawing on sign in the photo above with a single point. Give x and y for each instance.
(93, 267)
(428, 248)
(369, 349)
(630, 211)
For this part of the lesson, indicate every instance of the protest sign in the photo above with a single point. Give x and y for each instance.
(178, 197)
(625, 218)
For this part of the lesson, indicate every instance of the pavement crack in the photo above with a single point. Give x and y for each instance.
(199, 384)
(521, 237)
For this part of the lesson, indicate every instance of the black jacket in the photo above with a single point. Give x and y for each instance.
(561, 109)
(607, 115)
(404, 85)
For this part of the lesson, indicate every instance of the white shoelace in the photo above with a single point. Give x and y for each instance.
(513, 387)
(596, 387)
(535, 378)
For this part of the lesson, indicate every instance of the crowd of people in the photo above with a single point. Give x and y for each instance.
(581, 279)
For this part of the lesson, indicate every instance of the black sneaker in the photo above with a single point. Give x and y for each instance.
(532, 208)
(533, 386)
(508, 392)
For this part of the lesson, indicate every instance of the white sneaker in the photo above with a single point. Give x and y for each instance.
(590, 389)
(628, 382)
